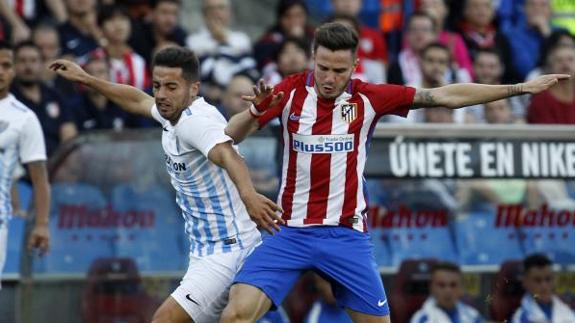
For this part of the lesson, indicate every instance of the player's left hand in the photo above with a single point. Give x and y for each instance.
(543, 83)
(263, 212)
(39, 239)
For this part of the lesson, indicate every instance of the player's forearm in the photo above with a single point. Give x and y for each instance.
(58, 9)
(241, 125)
(41, 189)
(128, 98)
(226, 157)
(460, 95)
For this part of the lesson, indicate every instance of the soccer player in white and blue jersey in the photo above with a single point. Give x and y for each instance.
(212, 183)
(21, 140)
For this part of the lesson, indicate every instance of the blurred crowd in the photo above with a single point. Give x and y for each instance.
(420, 43)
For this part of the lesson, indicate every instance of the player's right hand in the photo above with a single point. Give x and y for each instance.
(263, 212)
(264, 96)
(69, 70)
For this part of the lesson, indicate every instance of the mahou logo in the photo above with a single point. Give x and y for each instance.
(72, 216)
(405, 217)
(519, 216)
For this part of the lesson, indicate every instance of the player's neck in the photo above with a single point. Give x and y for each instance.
(4, 94)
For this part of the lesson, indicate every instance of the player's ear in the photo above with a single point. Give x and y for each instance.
(195, 88)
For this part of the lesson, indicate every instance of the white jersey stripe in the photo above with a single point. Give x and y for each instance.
(368, 118)
(286, 136)
(303, 164)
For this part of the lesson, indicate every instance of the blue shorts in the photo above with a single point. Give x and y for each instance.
(341, 255)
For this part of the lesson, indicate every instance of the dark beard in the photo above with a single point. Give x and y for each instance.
(27, 83)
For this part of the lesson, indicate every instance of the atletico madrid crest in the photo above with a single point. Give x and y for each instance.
(349, 112)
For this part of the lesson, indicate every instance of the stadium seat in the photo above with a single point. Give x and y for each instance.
(113, 293)
(417, 243)
(506, 291)
(16, 232)
(556, 242)
(76, 239)
(380, 248)
(410, 288)
(159, 246)
(480, 242)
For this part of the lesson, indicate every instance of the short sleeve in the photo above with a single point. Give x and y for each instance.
(285, 86)
(202, 133)
(31, 141)
(389, 98)
(156, 115)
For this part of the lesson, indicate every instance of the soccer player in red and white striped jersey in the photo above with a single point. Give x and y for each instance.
(327, 120)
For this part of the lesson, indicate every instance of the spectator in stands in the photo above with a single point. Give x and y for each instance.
(489, 69)
(292, 57)
(557, 37)
(260, 160)
(232, 102)
(438, 10)
(527, 38)
(556, 105)
(291, 21)
(163, 28)
(479, 32)
(126, 66)
(54, 115)
(420, 32)
(499, 112)
(21, 15)
(539, 304)
(372, 49)
(444, 304)
(80, 34)
(222, 52)
(46, 37)
(325, 308)
(95, 111)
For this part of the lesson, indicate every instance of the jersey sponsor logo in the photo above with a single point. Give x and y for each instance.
(323, 144)
(3, 125)
(175, 166)
(349, 112)
(294, 117)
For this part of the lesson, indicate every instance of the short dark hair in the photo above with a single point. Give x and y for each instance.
(156, 3)
(436, 45)
(535, 261)
(181, 57)
(4, 45)
(108, 12)
(298, 42)
(445, 266)
(489, 51)
(26, 44)
(335, 36)
(421, 14)
(284, 5)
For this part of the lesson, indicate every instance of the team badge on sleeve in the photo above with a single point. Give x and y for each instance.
(349, 112)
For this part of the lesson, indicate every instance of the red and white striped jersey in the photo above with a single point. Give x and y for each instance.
(131, 70)
(24, 8)
(325, 146)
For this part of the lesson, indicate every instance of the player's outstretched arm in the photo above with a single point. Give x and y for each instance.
(460, 95)
(129, 98)
(40, 236)
(261, 210)
(245, 123)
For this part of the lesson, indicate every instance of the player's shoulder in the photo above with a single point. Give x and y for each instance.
(372, 88)
(201, 111)
(16, 107)
(295, 80)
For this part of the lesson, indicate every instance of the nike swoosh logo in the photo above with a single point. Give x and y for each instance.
(192, 300)
(293, 117)
(165, 128)
(381, 303)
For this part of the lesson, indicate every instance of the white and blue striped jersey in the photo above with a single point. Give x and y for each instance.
(216, 218)
(21, 139)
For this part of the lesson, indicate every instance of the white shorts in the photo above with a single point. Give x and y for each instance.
(203, 292)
